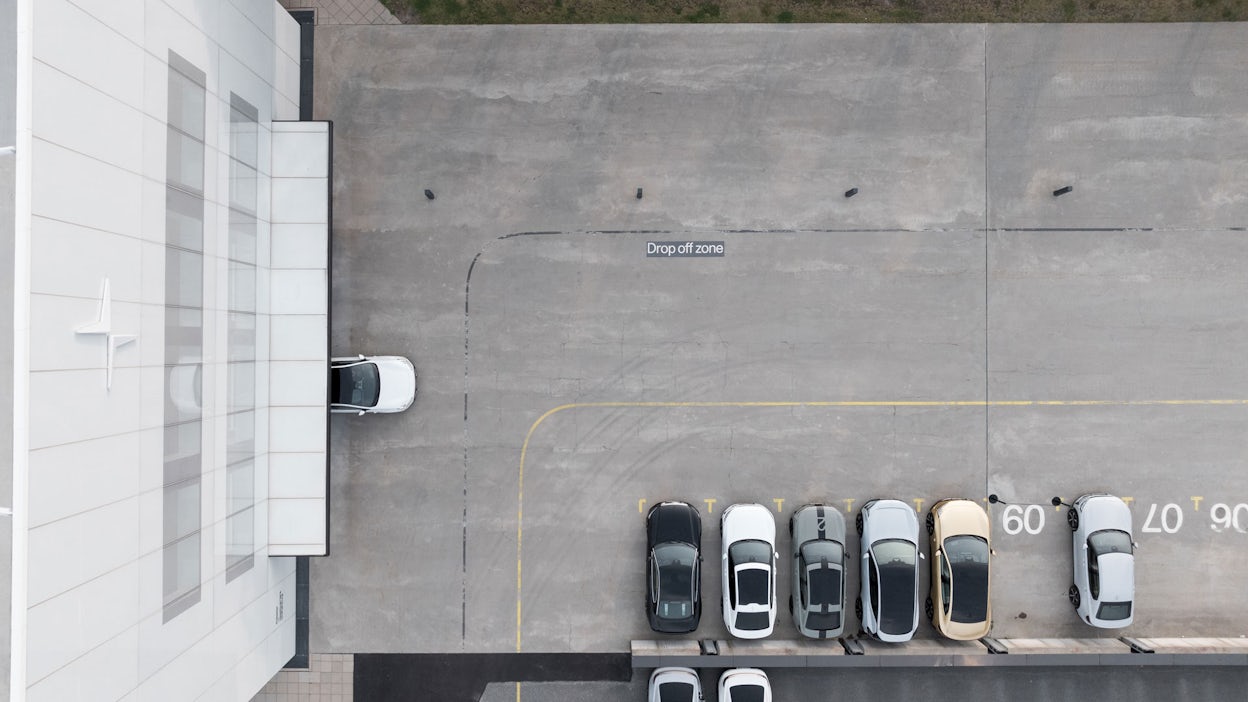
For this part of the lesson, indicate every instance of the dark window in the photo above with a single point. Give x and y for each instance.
(675, 692)
(967, 557)
(357, 385)
(747, 693)
(825, 586)
(752, 585)
(823, 582)
(823, 622)
(676, 564)
(873, 578)
(1114, 611)
(752, 621)
(897, 587)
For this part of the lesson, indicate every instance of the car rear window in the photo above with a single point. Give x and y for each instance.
(675, 692)
(823, 622)
(747, 693)
(1114, 611)
(752, 621)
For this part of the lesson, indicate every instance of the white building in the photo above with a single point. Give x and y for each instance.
(167, 300)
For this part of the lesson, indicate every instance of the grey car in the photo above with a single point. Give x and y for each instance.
(817, 598)
(888, 600)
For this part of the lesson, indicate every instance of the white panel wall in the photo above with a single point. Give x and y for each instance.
(94, 504)
(299, 342)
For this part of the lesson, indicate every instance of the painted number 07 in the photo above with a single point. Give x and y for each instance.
(1016, 518)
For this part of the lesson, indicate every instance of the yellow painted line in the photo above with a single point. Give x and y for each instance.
(524, 449)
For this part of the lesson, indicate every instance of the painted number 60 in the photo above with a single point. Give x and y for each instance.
(1016, 518)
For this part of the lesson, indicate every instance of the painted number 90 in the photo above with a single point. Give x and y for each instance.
(1017, 518)
(1229, 517)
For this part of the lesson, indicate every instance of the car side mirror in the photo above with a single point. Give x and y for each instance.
(922, 557)
(361, 413)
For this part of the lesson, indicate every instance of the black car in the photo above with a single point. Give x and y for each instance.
(673, 567)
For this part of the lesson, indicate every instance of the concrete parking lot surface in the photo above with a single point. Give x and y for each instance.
(953, 329)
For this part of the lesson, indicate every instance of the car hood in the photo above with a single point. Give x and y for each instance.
(1117, 577)
(398, 382)
(1105, 512)
(962, 517)
(675, 522)
(893, 521)
(748, 521)
(806, 525)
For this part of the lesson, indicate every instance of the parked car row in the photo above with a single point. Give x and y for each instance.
(683, 685)
(959, 603)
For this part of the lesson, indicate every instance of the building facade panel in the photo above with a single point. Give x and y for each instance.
(147, 568)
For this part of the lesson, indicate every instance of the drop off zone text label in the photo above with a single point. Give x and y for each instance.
(684, 249)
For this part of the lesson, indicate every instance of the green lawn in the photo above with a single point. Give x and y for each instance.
(648, 11)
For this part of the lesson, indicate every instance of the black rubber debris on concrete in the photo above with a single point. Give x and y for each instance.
(439, 677)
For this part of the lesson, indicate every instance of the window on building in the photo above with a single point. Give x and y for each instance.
(184, 323)
(240, 393)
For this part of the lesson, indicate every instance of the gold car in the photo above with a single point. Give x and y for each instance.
(959, 605)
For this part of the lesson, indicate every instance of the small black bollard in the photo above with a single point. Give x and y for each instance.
(428, 193)
(851, 192)
(638, 193)
(1063, 190)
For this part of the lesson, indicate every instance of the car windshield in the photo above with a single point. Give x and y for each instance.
(968, 559)
(358, 385)
(747, 693)
(676, 692)
(1114, 611)
(1109, 541)
(676, 562)
(896, 559)
(753, 584)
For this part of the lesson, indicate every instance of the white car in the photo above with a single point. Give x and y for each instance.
(371, 384)
(748, 570)
(1103, 591)
(888, 606)
(675, 685)
(744, 685)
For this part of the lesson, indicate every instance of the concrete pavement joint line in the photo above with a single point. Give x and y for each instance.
(463, 607)
(524, 448)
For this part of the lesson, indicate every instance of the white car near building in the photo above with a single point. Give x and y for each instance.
(674, 685)
(748, 570)
(371, 384)
(744, 685)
